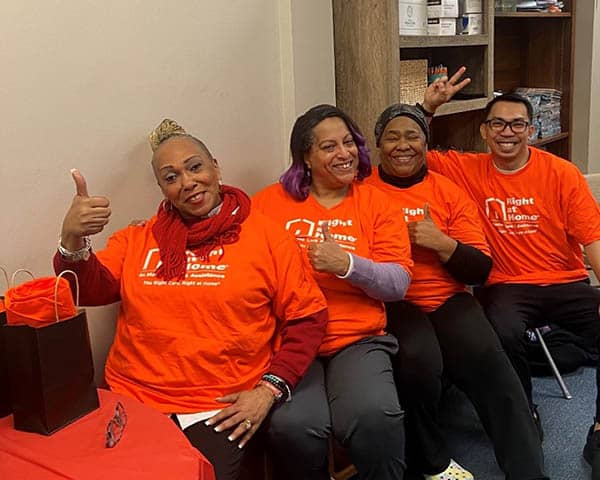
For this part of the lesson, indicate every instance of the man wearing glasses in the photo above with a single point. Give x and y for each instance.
(537, 212)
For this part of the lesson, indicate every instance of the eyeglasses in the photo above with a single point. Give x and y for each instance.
(116, 425)
(498, 125)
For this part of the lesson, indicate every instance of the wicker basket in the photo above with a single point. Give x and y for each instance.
(413, 80)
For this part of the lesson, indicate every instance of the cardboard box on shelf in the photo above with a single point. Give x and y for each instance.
(470, 24)
(469, 6)
(442, 8)
(441, 26)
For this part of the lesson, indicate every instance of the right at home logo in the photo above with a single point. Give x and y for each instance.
(307, 231)
(513, 216)
(197, 271)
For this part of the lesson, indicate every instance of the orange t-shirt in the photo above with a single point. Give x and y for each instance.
(181, 344)
(454, 214)
(535, 219)
(363, 224)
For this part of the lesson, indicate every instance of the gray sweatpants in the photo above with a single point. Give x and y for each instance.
(352, 395)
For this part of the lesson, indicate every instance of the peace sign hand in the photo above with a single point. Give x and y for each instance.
(442, 90)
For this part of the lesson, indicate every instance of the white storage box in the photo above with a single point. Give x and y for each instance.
(442, 8)
(469, 6)
(470, 24)
(413, 17)
(441, 26)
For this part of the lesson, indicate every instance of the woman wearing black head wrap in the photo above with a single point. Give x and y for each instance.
(441, 329)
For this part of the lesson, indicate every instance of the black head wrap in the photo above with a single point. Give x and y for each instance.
(401, 110)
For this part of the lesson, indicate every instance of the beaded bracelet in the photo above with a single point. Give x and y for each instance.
(280, 384)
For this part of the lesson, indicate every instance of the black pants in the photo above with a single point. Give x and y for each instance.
(513, 308)
(229, 461)
(458, 342)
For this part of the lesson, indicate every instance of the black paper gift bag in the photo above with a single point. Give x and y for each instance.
(5, 405)
(51, 374)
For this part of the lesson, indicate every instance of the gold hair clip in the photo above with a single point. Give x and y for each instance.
(166, 129)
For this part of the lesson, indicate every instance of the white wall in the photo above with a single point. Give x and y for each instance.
(83, 82)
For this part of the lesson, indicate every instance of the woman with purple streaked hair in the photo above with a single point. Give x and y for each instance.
(356, 245)
(296, 180)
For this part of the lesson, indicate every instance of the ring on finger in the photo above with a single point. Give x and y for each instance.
(247, 423)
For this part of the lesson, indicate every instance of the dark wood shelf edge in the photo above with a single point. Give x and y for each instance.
(547, 140)
(531, 15)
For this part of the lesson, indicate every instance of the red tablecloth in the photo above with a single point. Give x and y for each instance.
(151, 448)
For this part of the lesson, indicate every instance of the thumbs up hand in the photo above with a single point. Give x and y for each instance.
(426, 234)
(426, 214)
(80, 183)
(87, 215)
(328, 256)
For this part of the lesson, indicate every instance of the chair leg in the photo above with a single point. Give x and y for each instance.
(557, 374)
(345, 473)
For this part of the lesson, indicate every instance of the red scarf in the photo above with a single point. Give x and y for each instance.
(174, 236)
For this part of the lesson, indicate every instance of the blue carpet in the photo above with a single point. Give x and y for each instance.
(565, 424)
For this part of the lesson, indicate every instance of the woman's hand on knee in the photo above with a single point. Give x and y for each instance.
(246, 413)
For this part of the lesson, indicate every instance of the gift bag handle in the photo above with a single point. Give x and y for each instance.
(20, 270)
(56, 291)
(5, 273)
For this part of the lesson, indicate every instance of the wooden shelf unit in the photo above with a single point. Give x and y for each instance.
(536, 50)
(515, 50)
(368, 51)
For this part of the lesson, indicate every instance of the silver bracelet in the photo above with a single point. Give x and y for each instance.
(350, 268)
(78, 255)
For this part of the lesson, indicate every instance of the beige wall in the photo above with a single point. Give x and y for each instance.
(594, 127)
(581, 81)
(83, 82)
(314, 65)
(586, 88)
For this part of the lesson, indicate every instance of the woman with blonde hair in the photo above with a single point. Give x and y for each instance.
(198, 314)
